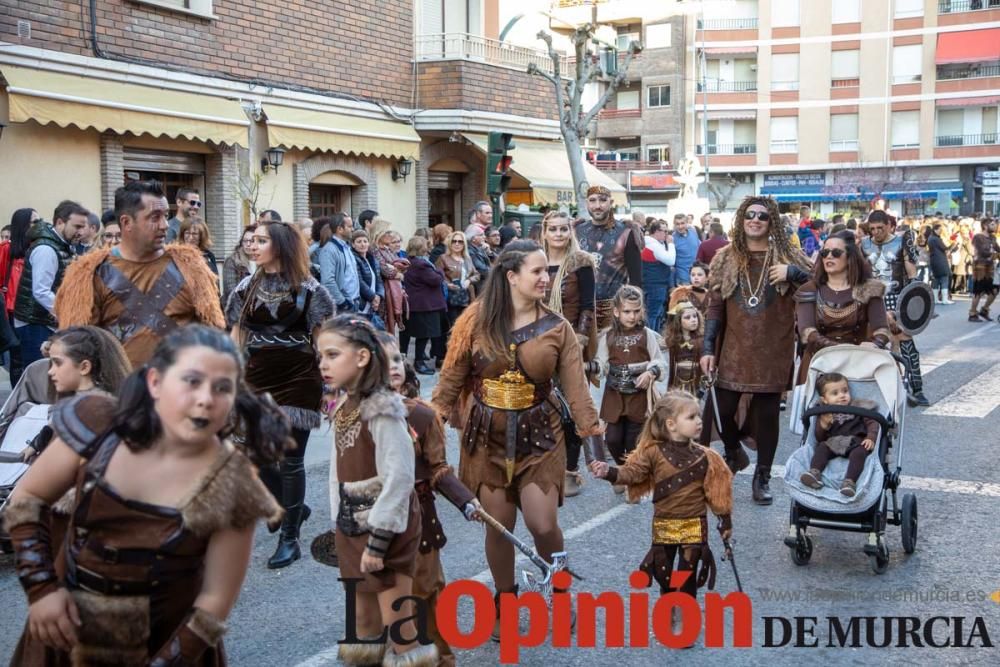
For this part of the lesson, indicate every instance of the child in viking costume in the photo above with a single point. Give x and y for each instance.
(685, 332)
(433, 474)
(696, 293)
(372, 498)
(686, 480)
(162, 526)
(628, 355)
(140, 290)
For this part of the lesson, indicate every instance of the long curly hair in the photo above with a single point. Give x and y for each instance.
(675, 329)
(781, 247)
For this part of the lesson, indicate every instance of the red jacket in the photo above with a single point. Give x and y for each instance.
(13, 278)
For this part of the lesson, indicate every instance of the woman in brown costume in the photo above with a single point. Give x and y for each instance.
(572, 270)
(153, 563)
(505, 351)
(842, 304)
(274, 315)
(372, 495)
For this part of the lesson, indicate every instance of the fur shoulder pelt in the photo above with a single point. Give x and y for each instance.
(462, 333)
(868, 290)
(231, 495)
(722, 273)
(383, 403)
(200, 280)
(578, 260)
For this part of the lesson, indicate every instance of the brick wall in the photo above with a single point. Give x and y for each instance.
(460, 84)
(359, 47)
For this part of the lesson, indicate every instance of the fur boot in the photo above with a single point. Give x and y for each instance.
(361, 654)
(422, 656)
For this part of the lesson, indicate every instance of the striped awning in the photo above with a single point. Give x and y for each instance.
(969, 101)
(340, 133)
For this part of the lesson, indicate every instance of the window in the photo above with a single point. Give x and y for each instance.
(785, 134)
(628, 34)
(950, 126)
(905, 129)
(784, 13)
(196, 7)
(844, 132)
(909, 8)
(658, 153)
(627, 99)
(907, 63)
(845, 67)
(846, 11)
(785, 71)
(658, 36)
(658, 96)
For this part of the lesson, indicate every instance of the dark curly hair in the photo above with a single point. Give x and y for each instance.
(782, 248)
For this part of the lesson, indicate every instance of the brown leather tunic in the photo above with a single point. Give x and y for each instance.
(627, 348)
(685, 370)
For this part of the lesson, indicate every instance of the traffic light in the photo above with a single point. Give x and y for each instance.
(498, 163)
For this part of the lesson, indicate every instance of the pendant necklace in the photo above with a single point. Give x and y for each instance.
(753, 299)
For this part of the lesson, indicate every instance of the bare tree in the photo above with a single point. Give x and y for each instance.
(574, 123)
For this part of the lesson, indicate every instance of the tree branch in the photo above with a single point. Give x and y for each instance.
(612, 87)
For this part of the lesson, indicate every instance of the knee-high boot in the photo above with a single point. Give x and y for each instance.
(293, 492)
(911, 359)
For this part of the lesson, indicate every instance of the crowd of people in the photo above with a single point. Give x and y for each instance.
(213, 387)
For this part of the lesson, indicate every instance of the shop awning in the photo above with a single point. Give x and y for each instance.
(968, 46)
(969, 101)
(326, 131)
(67, 99)
(545, 166)
(925, 190)
(730, 50)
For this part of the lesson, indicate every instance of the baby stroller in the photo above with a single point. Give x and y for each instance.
(874, 375)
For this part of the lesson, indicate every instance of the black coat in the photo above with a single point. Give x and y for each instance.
(481, 261)
(938, 254)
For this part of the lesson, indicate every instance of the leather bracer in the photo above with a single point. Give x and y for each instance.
(199, 632)
(27, 522)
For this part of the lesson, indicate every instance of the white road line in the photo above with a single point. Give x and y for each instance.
(927, 364)
(907, 483)
(976, 398)
(978, 332)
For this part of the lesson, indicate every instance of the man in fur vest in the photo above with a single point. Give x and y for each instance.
(140, 290)
(750, 334)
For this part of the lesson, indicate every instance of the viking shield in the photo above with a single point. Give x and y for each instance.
(914, 308)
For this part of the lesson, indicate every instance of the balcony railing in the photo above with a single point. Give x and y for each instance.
(988, 139)
(463, 46)
(626, 165)
(968, 72)
(716, 86)
(952, 6)
(727, 149)
(728, 24)
(844, 145)
(845, 83)
(784, 145)
(610, 114)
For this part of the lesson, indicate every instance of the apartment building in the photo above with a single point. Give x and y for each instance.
(834, 103)
(307, 108)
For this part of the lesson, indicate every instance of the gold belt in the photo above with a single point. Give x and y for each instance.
(677, 531)
(511, 391)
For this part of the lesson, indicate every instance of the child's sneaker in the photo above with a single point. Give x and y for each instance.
(811, 479)
(848, 488)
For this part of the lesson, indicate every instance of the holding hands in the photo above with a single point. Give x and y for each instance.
(599, 469)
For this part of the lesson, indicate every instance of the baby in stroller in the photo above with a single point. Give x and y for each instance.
(850, 436)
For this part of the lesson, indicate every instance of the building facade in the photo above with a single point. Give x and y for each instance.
(835, 103)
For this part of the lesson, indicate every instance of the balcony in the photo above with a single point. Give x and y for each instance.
(784, 145)
(465, 46)
(629, 165)
(617, 123)
(967, 71)
(784, 85)
(845, 83)
(728, 24)
(607, 114)
(954, 6)
(717, 86)
(946, 140)
(899, 79)
(727, 149)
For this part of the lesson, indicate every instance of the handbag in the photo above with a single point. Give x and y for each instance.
(457, 296)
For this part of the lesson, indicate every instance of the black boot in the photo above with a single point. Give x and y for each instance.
(761, 490)
(293, 491)
(911, 360)
(737, 459)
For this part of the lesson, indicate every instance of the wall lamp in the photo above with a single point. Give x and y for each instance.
(402, 169)
(275, 156)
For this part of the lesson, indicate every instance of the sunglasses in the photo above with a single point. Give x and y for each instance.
(458, 241)
(763, 216)
(836, 252)
(196, 204)
(113, 236)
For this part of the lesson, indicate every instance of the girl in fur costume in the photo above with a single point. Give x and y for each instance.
(686, 480)
(162, 527)
(433, 474)
(685, 333)
(371, 493)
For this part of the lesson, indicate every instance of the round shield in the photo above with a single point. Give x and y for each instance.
(914, 308)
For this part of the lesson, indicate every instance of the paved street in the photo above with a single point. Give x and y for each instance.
(295, 616)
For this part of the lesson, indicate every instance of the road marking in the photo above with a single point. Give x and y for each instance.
(927, 364)
(976, 398)
(960, 486)
(978, 332)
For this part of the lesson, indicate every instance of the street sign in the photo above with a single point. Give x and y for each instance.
(991, 196)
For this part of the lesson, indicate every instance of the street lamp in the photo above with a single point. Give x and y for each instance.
(275, 157)
(402, 169)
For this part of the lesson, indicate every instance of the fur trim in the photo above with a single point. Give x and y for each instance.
(231, 495)
(65, 504)
(114, 630)
(578, 260)
(718, 483)
(459, 345)
(208, 627)
(383, 403)
(636, 492)
(723, 274)
(24, 511)
(75, 298)
(366, 489)
(869, 289)
(361, 654)
(422, 656)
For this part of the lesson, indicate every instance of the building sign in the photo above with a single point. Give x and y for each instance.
(650, 181)
(785, 181)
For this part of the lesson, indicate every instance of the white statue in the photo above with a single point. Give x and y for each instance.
(689, 176)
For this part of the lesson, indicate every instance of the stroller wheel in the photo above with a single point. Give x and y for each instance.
(802, 551)
(909, 523)
(880, 559)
